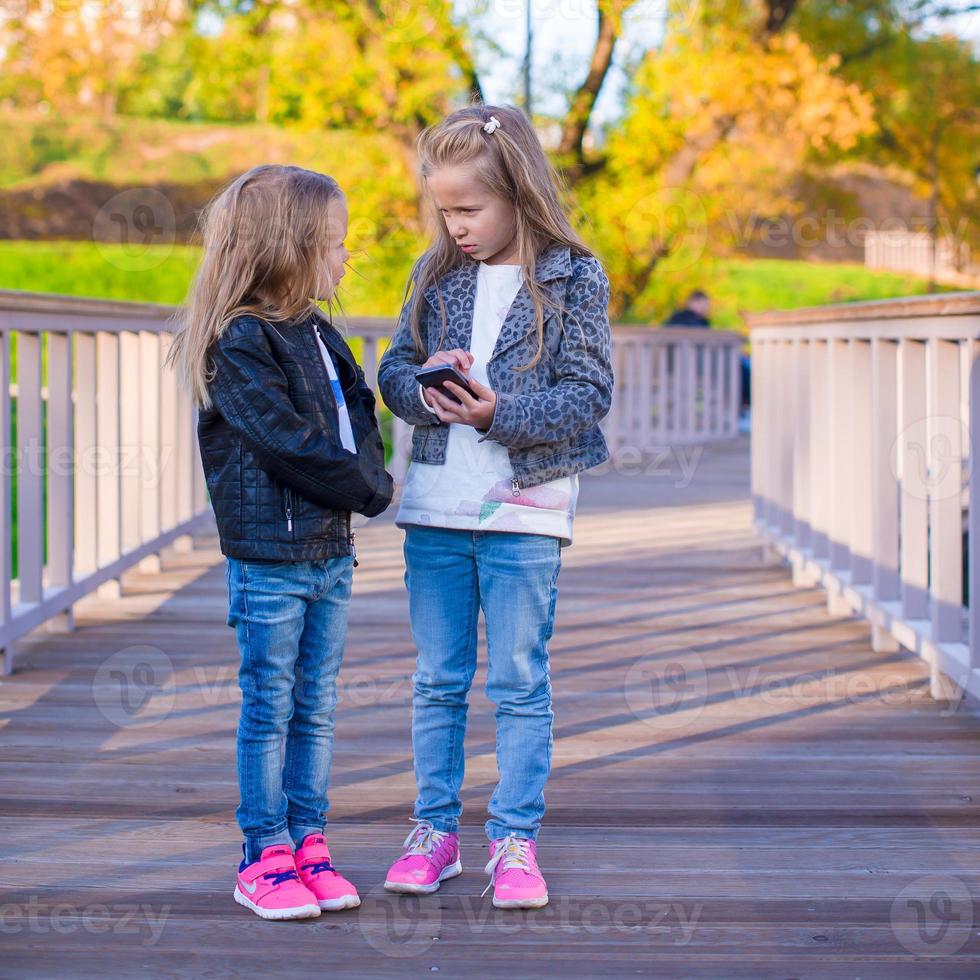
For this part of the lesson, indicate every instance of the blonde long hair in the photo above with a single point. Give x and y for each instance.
(511, 163)
(264, 238)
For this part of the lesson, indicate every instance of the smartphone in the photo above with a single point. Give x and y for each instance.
(436, 377)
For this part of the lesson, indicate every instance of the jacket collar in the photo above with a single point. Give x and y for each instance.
(458, 287)
(331, 337)
(555, 262)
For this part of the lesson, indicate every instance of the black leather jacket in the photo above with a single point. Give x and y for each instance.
(282, 486)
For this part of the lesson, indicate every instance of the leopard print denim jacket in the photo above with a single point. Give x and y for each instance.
(548, 416)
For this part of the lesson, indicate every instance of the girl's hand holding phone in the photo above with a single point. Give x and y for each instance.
(478, 411)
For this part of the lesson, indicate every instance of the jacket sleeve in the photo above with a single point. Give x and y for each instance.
(396, 375)
(250, 391)
(582, 395)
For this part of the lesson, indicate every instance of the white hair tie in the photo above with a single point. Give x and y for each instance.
(492, 126)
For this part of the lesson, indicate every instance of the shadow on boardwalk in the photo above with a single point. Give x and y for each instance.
(741, 787)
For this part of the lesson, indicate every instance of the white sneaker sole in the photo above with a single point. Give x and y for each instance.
(407, 888)
(339, 904)
(520, 903)
(298, 912)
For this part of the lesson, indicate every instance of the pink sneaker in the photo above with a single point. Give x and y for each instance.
(272, 889)
(515, 877)
(330, 888)
(431, 856)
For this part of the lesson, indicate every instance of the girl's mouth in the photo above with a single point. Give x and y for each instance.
(468, 248)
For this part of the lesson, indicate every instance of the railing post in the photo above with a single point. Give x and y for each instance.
(783, 419)
(800, 380)
(862, 505)
(644, 355)
(185, 451)
(884, 484)
(973, 527)
(147, 451)
(109, 462)
(167, 454)
(914, 476)
(839, 390)
(733, 357)
(61, 473)
(86, 456)
(610, 425)
(821, 438)
(661, 431)
(759, 433)
(30, 469)
(945, 453)
(6, 510)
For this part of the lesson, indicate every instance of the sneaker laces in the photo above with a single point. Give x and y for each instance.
(318, 867)
(423, 838)
(278, 877)
(513, 853)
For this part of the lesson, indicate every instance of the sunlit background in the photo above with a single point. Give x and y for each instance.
(774, 154)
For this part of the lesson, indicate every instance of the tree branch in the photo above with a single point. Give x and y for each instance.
(777, 13)
(610, 17)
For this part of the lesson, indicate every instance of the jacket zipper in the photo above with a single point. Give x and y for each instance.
(515, 487)
(350, 540)
(289, 508)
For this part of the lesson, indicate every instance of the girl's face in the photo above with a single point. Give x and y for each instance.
(335, 254)
(482, 224)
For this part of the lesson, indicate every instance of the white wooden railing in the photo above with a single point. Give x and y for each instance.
(103, 452)
(862, 469)
(674, 385)
(119, 477)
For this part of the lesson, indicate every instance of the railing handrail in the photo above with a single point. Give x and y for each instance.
(934, 304)
(20, 301)
(673, 335)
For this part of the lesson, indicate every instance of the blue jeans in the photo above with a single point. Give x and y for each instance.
(290, 618)
(451, 575)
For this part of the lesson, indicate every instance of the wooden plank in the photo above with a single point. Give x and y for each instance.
(777, 820)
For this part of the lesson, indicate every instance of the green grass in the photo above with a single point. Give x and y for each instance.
(750, 286)
(161, 274)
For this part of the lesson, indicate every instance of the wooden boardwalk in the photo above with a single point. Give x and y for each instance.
(741, 787)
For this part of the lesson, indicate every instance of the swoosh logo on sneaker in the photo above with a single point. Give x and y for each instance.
(249, 888)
